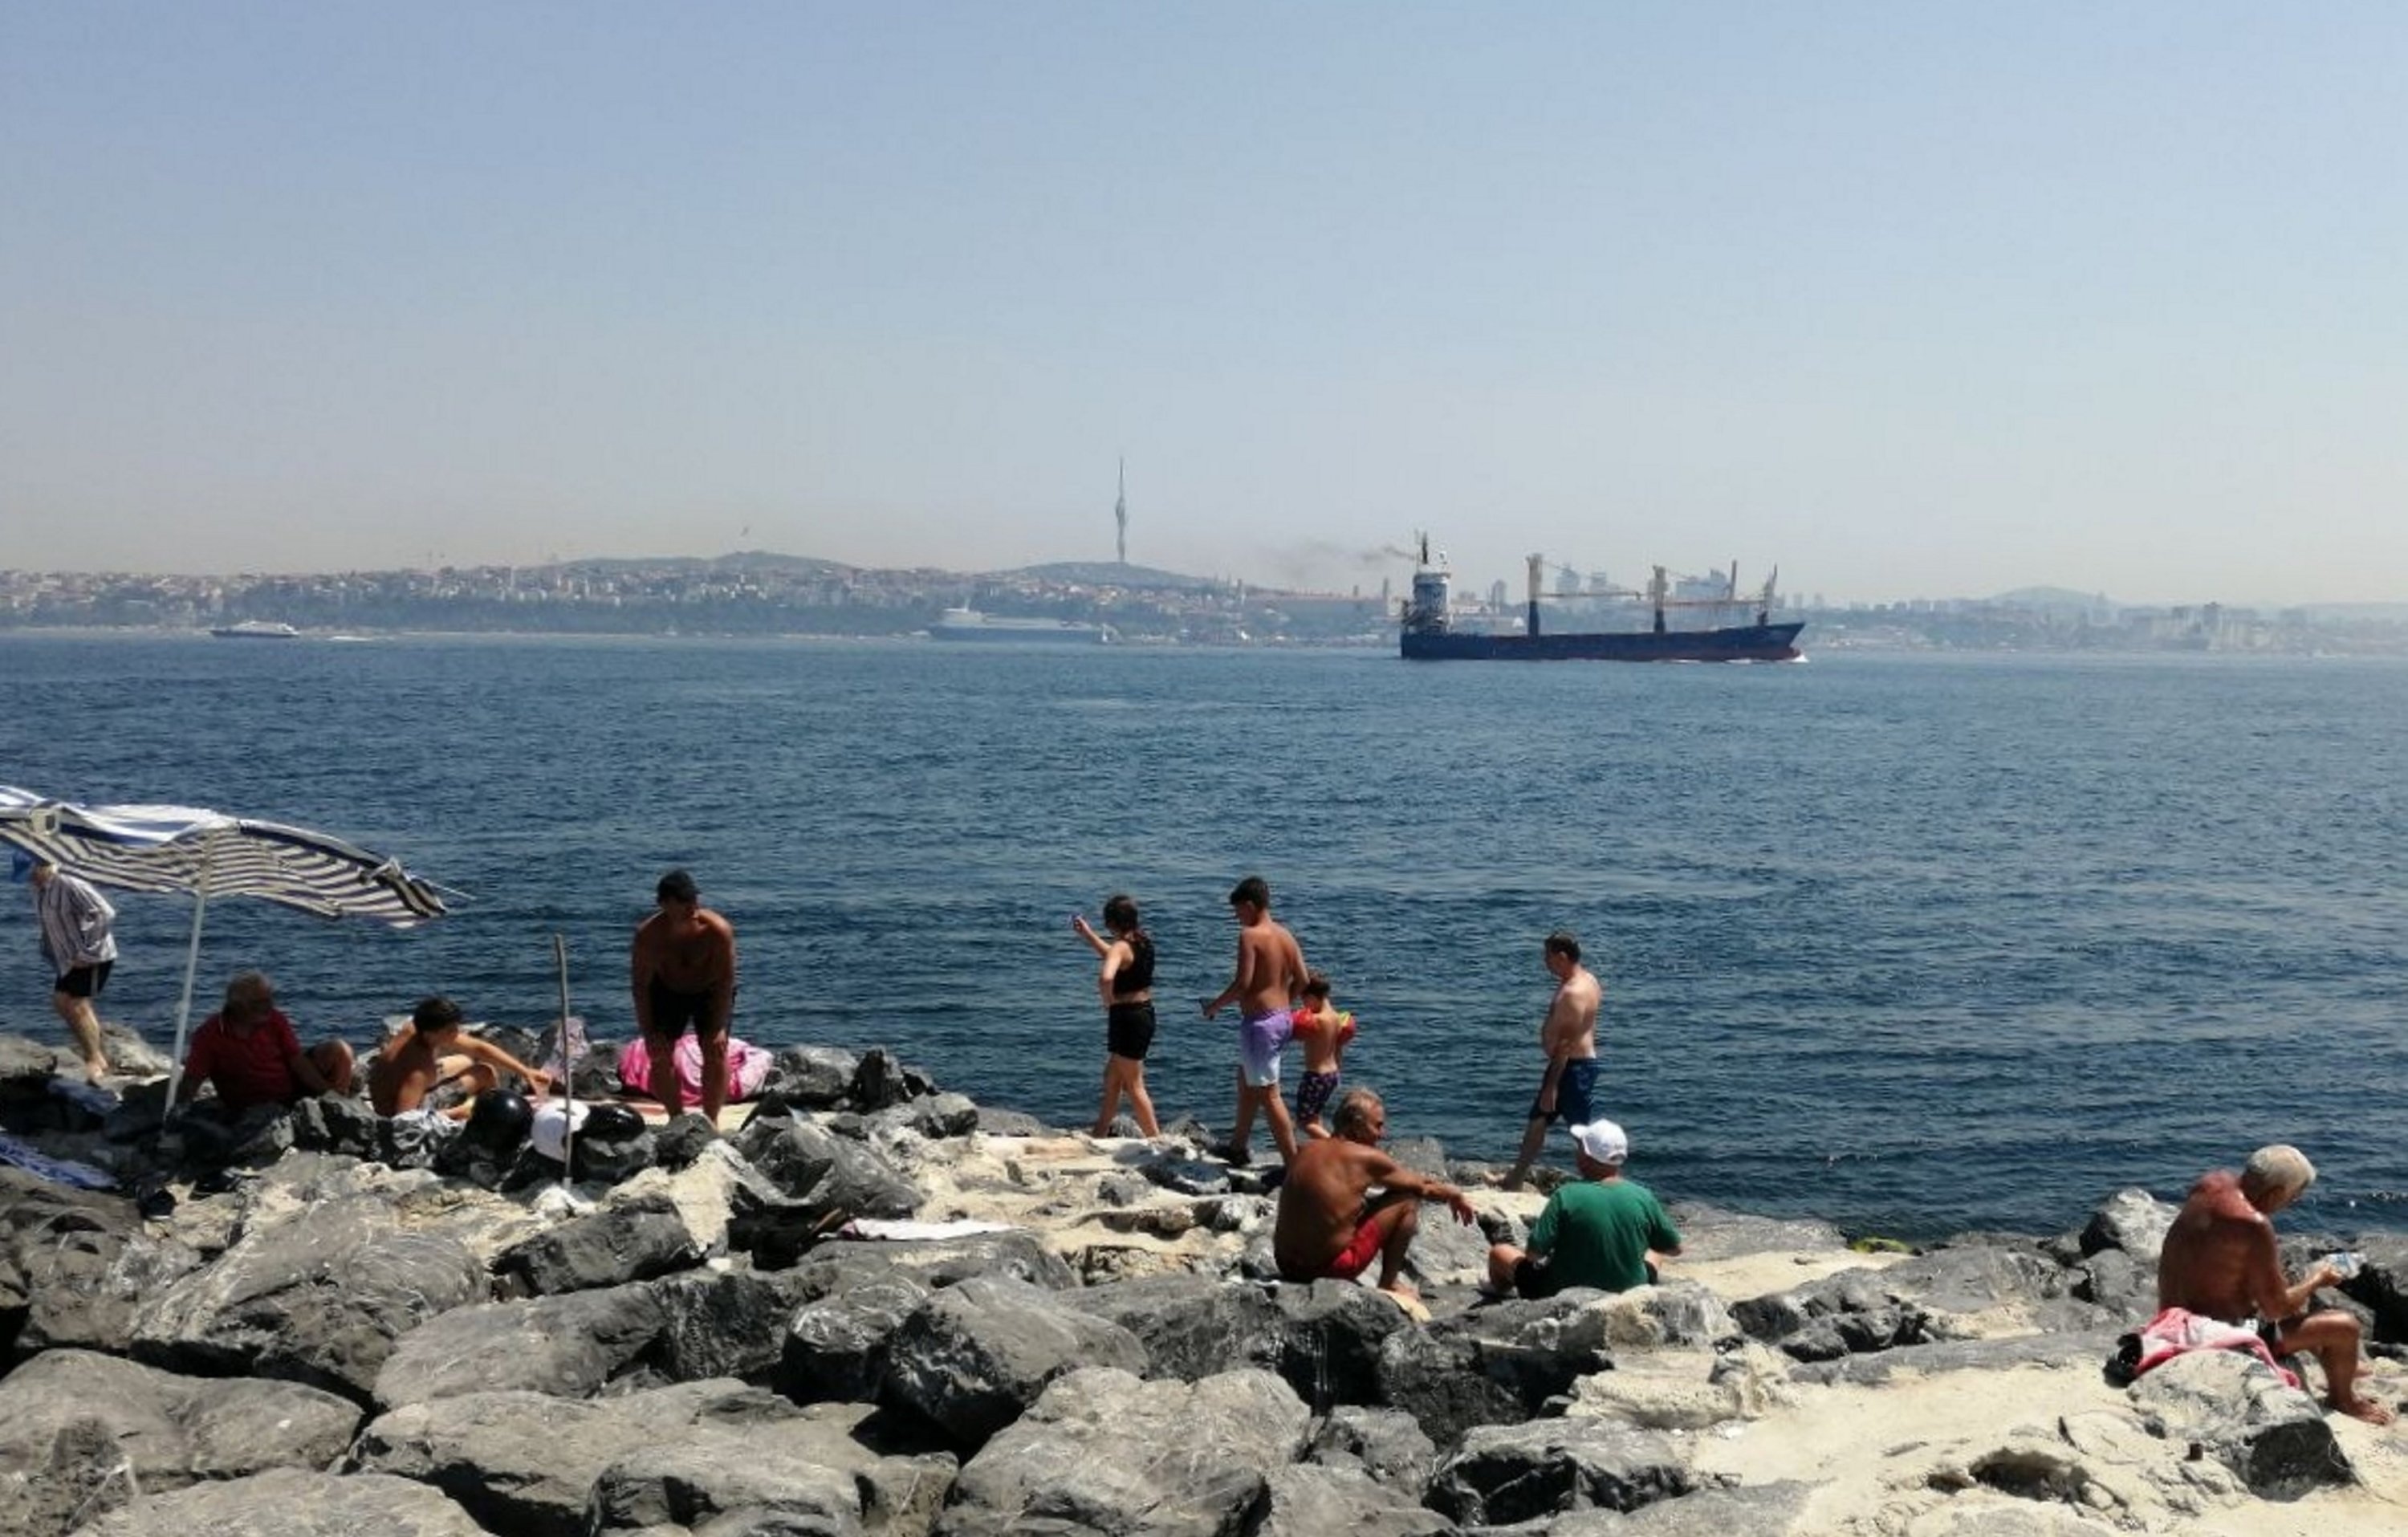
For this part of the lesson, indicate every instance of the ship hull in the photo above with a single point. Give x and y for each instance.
(1737, 644)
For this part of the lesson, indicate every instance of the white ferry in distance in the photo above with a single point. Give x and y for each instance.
(968, 625)
(257, 629)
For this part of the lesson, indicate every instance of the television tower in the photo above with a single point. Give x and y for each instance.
(1119, 511)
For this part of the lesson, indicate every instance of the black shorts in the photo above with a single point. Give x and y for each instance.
(1128, 1031)
(1532, 1281)
(85, 981)
(675, 1012)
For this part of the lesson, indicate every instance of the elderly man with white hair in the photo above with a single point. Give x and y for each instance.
(2220, 1261)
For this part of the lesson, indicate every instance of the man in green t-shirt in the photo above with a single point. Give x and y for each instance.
(1598, 1232)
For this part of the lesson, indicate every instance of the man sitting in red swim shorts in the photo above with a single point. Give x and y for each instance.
(1330, 1225)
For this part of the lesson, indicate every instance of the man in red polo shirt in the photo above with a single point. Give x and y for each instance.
(248, 1050)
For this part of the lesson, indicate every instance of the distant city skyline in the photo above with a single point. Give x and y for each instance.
(1910, 302)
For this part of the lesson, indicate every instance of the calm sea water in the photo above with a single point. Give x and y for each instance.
(1915, 943)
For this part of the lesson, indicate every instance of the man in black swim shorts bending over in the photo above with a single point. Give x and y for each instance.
(683, 976)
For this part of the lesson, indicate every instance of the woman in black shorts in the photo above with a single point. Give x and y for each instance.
(1126, 981)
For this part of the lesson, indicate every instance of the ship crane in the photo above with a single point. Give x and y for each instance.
(1657, 593)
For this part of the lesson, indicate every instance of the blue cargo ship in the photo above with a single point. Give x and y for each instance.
(1430, 631)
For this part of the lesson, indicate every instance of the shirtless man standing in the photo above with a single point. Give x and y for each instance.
(1568, 1037)
(1329, 1226)
(682, 972)
(1270, 973)
(2221, 1260)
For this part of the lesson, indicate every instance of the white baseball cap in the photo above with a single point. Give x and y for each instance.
(1602, 1141)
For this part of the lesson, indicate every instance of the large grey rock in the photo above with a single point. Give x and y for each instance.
(836, 1347)
(1103, 1451)
(1017, 1254)
(286, 1502)
(1387, 1445)
(529, 1463)
(1506, 1474)
(880, 1081)
(1498, 1366)
(1710, 1232)
(335, 1123)
(83, 1433)
(976, 1355)
(2088, 1348)
(1192, 1326)
(1331, 1335)
(810, 1077)
(1307, 1500)
(2231, 1407)
(941, 1115)
(721, 1483)
(76, 1266)
(825, 1172)
(571, 1346)
(320, 1296)
(2382, 1286)
(721, 1324)
(2131, 1222)
(630, 1241)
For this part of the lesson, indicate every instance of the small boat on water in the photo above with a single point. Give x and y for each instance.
(969, 625)
(257, 629)
(1429, 630)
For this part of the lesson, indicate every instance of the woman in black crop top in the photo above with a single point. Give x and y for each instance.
(1125, 982)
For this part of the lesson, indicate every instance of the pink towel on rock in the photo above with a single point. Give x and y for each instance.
(2178, 1332)
(748, 1067)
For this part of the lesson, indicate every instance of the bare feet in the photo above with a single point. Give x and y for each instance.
(2365, 1409)
(95, 1070)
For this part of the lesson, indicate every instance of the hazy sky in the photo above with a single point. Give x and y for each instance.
(1914, 300)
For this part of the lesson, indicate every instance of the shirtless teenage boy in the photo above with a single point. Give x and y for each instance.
(2221, 1260)
(1270, 973)
(1568, 1037)
(433, 1064)
(682, 972)
(1328, 1223)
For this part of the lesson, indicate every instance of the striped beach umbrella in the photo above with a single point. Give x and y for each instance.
(210, 855)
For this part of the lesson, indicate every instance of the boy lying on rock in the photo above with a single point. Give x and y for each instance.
(2220, 1261)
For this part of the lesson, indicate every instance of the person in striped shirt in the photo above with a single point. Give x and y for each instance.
(77, 922)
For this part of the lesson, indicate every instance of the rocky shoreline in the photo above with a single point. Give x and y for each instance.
(318, 1329)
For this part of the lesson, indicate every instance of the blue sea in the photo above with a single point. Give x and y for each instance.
(1917, 943)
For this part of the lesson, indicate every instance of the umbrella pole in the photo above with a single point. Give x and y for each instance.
(567, 1068)
(192, 970)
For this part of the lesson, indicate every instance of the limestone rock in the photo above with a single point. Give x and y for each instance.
(1102, 1451)
(2234, 1409)
(1312, 1500)
(976, 1355)
(571, 1346)
(320, 1297)
(286, 1502)
(82, 1433)
(2131, 1222)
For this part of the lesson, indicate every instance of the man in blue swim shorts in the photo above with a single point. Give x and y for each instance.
(1270, 973)
(1568, 1093)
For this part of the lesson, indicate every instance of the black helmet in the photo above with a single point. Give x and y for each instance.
(611, 1122)
(499, 1121)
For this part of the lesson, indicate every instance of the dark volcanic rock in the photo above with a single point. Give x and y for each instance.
(882, 1082)
(82, 1434)
(2131, 1222)
(571, 1345)
(1385, 1443)
(286, 1502)
(1451, 1378)
(941, 1115)
(632, 1241)
(836, 1347)
(317, 1294)
(721, 1482)
(825, 1172)
(1192, 1326)
(1519, 1472)
(723, 1323)
(1016, 1253)
(1331, 1341)
(1102, 1451)
(974, 1355)
(2239, 1413)
(334, 1123)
